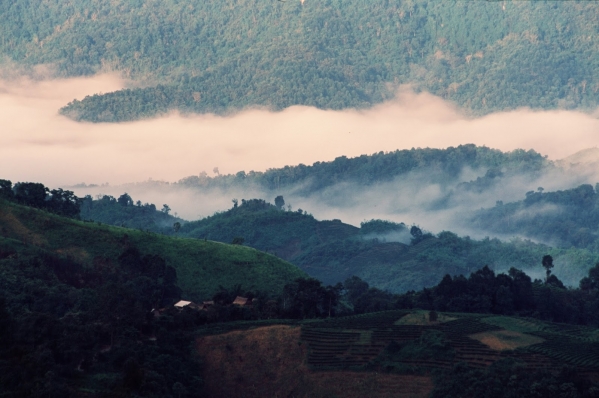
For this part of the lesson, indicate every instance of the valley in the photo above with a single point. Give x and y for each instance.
(300, 198)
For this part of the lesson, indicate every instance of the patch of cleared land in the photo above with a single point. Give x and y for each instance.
(272, 361)
(423, 318)
(501, 340)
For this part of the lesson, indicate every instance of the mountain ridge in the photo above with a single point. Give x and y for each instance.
(219, 57)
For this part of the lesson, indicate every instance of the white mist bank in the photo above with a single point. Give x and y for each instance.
(37, 144)
(174, 146)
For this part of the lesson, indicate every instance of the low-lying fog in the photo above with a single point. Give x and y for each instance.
(37, 144)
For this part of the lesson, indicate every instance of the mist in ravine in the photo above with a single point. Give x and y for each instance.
(38, 144)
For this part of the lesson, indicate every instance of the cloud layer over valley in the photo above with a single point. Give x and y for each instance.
(37, 144)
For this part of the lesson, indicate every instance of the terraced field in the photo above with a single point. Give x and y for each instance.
(384, 354)
(356, 342)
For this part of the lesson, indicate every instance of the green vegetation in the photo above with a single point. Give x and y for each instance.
(70, 329)
(34, 194)
(512, 378)
(223, 56)
(124, 212)
(434, 166)
(452, 351)
(78, 295)
(332, 251)
(201, 265)
(79, 304)
(566, 218)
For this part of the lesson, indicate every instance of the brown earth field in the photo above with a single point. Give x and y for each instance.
(501, 340)
(272, 362)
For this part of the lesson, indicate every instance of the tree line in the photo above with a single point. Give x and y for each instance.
(126, 212)
(35, 194)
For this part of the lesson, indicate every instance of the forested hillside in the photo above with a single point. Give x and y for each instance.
(387, 255)
(432, 166)
(222, 56)
(568, 218)
(201, 266)
(125, 212)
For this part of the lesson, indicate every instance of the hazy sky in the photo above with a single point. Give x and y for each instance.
(37, 144)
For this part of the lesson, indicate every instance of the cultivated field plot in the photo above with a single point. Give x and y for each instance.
(418, 344)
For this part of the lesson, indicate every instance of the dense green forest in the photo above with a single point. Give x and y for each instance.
(388, 255)
(34, 194)
(125, 212)
(435, 166)
(484, 291)
(567, 218)
(222, 56)
(69, 329)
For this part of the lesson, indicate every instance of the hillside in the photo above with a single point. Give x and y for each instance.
(567, 218)
(474, 168)
(225, 56)
(201, 266)
(401, 354)
(125, 212)
(384, 254)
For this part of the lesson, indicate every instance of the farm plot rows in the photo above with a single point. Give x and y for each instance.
(567, 349)
(354, 342)
(338, 342)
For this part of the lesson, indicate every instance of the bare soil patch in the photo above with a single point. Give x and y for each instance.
(16, 229)
(501, 340)
(272, 362)
(423, 318)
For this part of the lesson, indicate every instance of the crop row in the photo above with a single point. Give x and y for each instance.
(363, 322)
(575, 352)
(465, 326)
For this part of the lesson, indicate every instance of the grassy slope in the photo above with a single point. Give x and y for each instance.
(201, 265)
(333, 251)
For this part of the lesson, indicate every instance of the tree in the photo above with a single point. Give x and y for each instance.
(6, 189)
(165, 208)
(355, 287)
(307, 298)
(235, 203)
(31, 194)
(279, 202)
(547, 264)
(176, 226)
(238, 240)
(125, 200)
(64, 203)
(591, 282)
(132, 374)
(416, 234)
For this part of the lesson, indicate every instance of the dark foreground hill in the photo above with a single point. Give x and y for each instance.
(79, 305)
(385, 254)
(223, 56)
